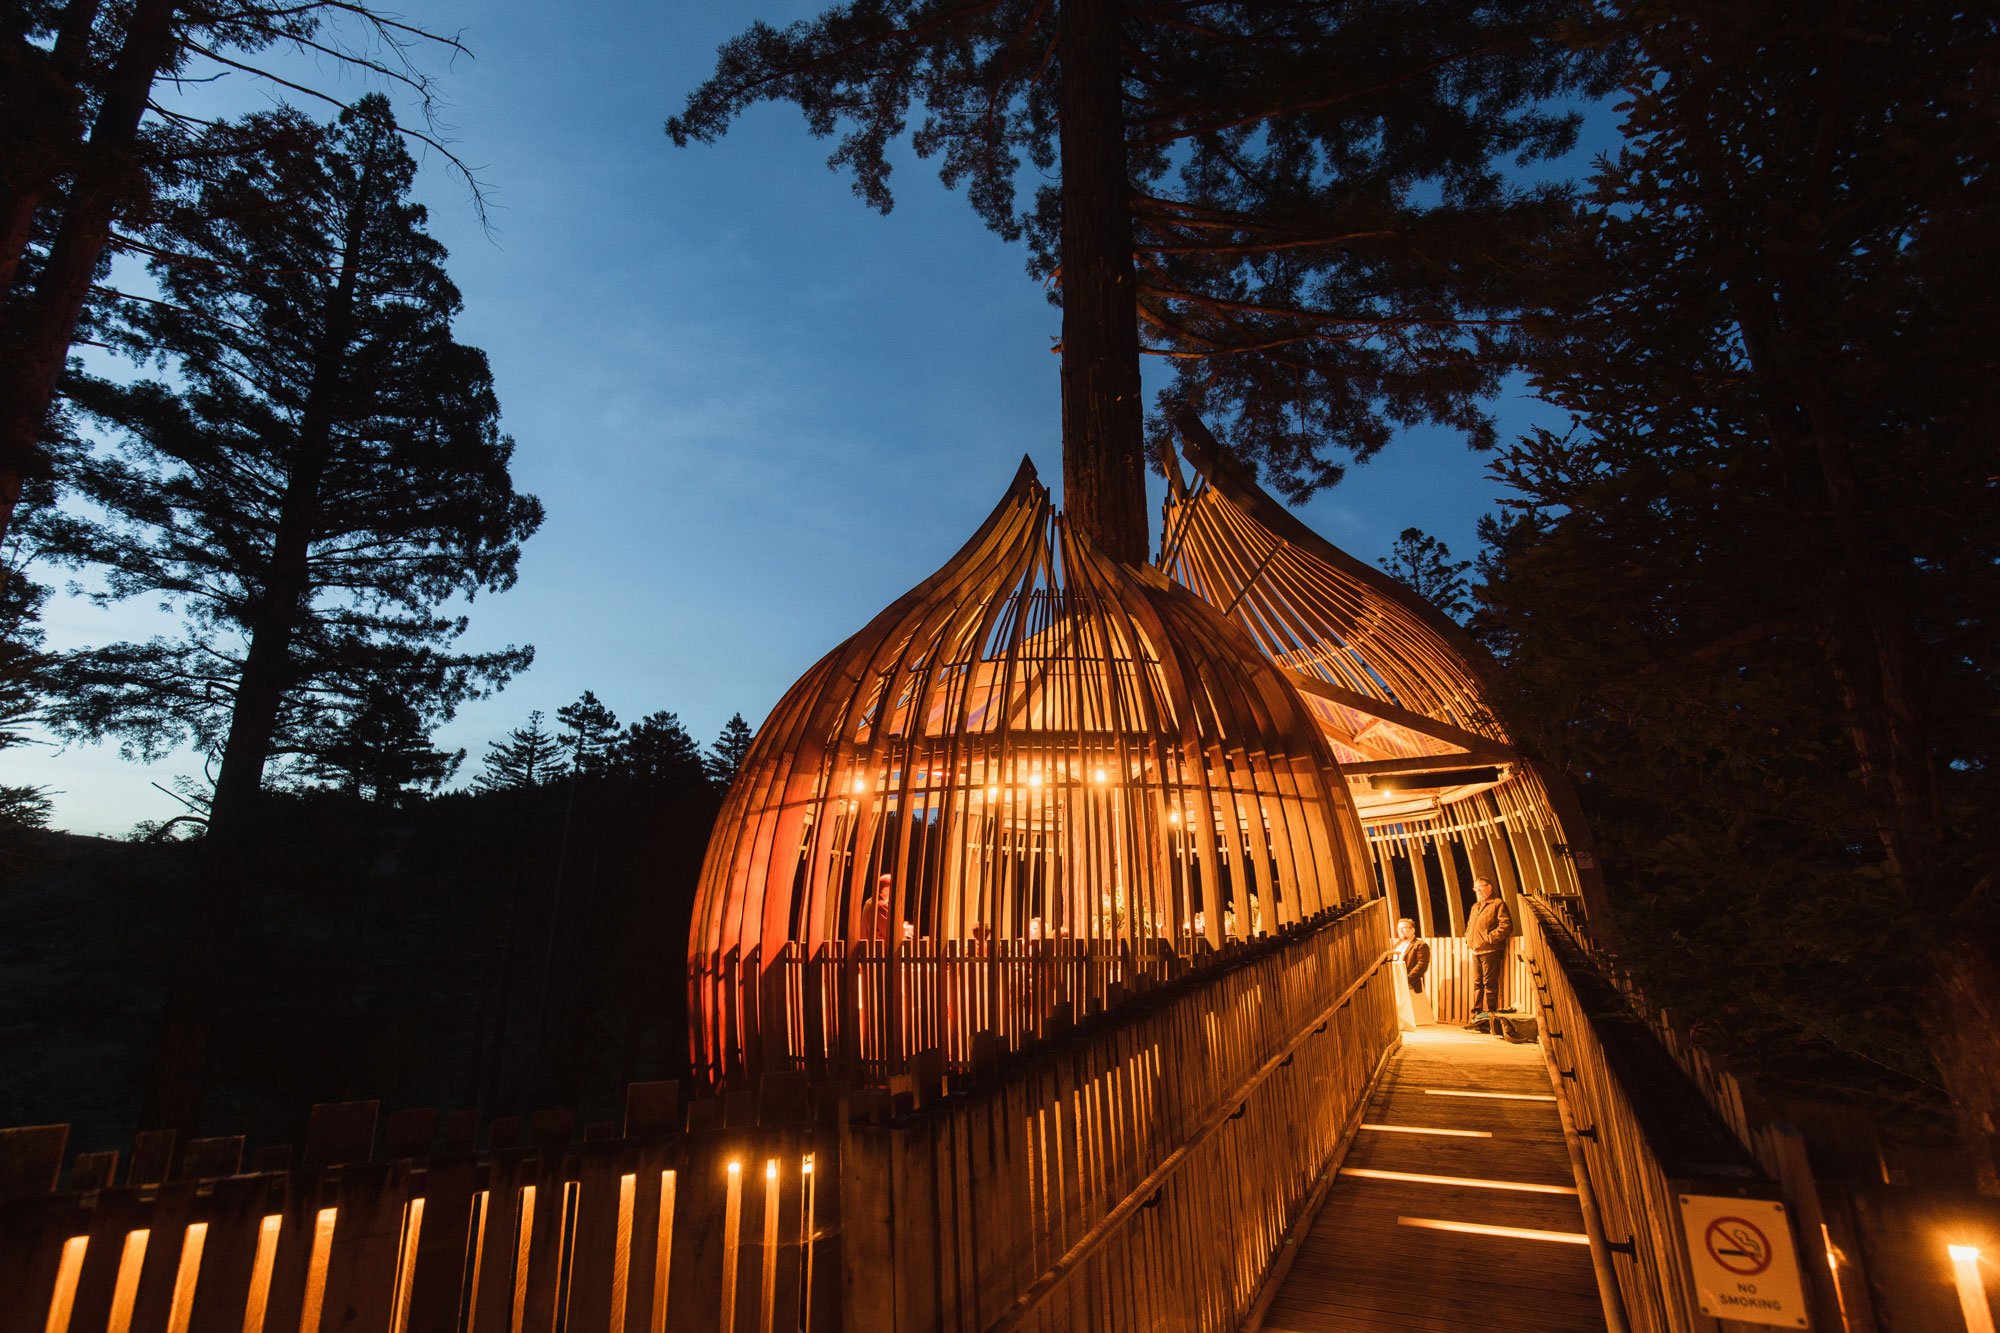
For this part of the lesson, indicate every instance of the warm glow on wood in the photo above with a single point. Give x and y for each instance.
(1971, 1284)
(1481, 1229)
(1489, 1096)
(732, 1226)
(322, 1255)
(261, 1269)
(663, 1252)
(185, 1276)
(523, 1249)
(621, 1267)
(125, 1290)
(1463, 1182)
(68, 1270)
(767, 1307)
(1418, 1129)
(480, 1203)
(406, 1264)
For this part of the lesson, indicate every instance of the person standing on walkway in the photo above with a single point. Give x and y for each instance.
(1487, 929)
(1413, 1007)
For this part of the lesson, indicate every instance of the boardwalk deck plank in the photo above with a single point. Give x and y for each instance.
(1361, 1270)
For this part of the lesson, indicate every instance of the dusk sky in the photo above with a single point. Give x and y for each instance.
(756, 410)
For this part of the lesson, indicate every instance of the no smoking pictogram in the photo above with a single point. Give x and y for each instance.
(1738, 1245)
(1739, 1252)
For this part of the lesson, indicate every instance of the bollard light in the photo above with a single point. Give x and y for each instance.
(1971, 1285)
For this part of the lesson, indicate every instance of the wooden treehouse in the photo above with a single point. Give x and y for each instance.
(1041, 979)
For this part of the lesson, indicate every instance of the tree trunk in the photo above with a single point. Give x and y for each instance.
(1103, 419)
(39, 330)
(1961, 1018)
(54, 100)
(1870, 647)
(180, 1069)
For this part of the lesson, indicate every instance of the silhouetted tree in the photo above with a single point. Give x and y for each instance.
(527, 759)
(1749, 599)
(658, 748)
(86, 147)
(325, 470)
(726, 755)
(591, 730)
(1425, 564)
(1299, 204)
(382, 749)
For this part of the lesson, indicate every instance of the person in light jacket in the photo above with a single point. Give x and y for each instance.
(1487, 929)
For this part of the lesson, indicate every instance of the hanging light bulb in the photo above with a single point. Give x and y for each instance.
(1101, 776)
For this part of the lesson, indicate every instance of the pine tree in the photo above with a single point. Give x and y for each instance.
(1425, 564)
(658, 748)
(1749, 599)
(382, 749)
(590, 731)
(87, 149)
(726, 755)
(1299, 204)
(527, 759)
(323, 472)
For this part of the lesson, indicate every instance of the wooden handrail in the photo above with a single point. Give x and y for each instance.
(1593, 1220)
(1047, 1284)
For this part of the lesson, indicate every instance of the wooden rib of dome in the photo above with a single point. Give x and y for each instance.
(1045, 751)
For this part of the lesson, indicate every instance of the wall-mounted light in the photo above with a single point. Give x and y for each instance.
(1101, 776)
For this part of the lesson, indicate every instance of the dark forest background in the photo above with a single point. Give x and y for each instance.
(507, 948)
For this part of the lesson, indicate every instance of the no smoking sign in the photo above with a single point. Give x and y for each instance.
(1741, 1254)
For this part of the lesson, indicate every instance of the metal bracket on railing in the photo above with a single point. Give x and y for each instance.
(1154, 1201)
(1238, 1115)
(1590, 1133)
(1287, 1060)
(1567, 1073)
(1629, 1248)
(1321, 1028)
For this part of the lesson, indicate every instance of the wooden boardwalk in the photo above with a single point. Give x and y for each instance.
(1400, 1244)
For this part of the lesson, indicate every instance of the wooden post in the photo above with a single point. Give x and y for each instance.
(1454, 886)
(1422, 875)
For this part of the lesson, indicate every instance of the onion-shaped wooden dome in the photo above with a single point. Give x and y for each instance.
(1397, 689)
(1042, 779)
(1035, 744)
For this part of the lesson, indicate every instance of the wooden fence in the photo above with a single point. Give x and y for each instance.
(1874, 1221)
(1176, 1136)
(730, 1227)
(1141, 1177)
(1644, 1133)
(861, 1013)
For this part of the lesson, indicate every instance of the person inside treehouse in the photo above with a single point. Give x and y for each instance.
(1413, 1007)
(1488, 926)
(876, 910)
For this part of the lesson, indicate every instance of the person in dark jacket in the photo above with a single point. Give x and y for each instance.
(1415, 953)
(1487, 929)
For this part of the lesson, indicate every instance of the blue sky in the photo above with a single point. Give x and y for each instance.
(756, 410)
